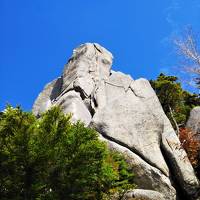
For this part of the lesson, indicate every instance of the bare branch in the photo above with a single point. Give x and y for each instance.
(187, 48)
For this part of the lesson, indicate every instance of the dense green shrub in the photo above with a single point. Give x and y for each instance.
(50, 158)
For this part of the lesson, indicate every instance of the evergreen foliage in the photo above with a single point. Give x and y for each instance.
(176, 102)
(50, 158)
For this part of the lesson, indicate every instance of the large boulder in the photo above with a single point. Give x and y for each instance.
(128, 116)
(193, 122)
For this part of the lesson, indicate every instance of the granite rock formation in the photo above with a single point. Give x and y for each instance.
(194, 121)
(128, 116)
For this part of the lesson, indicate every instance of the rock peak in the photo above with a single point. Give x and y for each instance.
(90, 63)
(91, 49)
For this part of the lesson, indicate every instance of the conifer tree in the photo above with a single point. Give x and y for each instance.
(176, 102)
(51, 158)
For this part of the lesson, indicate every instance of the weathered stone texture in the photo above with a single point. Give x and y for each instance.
(194, 120)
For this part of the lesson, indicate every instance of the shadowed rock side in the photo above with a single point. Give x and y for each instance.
(128, 116)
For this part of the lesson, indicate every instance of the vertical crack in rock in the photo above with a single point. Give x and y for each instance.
(181, 194)
(97, 48)
(192, 191)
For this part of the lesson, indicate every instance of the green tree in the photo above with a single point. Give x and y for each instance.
(15, 161)
(169, 93)
(175, 101)
(125, 176)
(50, 158)
(191, 100)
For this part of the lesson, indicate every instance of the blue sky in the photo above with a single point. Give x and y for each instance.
(37, 38)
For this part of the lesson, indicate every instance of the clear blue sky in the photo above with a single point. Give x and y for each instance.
(37, 38)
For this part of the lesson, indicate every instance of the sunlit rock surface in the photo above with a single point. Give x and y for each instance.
(193, 122)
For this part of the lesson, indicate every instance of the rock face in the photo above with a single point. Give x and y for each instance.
(194, 121)
(128, 116)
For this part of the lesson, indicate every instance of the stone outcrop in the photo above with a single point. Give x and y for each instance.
(194, 121)
(128, 116)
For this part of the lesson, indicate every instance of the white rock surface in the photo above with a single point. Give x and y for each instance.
(45, 99)
(71, 102)
(194, 120)
(128, 121)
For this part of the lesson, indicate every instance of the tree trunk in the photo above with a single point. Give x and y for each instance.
(174, 120)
